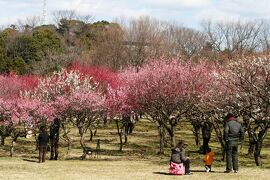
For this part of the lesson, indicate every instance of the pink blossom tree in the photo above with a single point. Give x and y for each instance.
(11, 122)
(165, 90)
(118, 107)
(74, 97)
(83, 109)
(215, 103)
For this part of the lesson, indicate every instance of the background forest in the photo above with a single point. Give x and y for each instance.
(30, 47)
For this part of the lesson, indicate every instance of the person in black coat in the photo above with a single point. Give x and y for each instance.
(54, 138)
(206, 135)
(43, 139)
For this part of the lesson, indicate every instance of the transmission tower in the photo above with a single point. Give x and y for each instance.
(44, 12)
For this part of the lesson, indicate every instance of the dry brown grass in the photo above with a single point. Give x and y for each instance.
(139, 160)
(17, 168)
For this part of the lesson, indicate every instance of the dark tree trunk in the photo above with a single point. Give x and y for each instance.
(259, 142)
(36, 142)
(105, 121)
(219, 135)
(2, 137)
(67, 138)
(258, 145)
(161, 130)
(171, 132)
(196, 133)
(81, 133)
(120, 133)
(91, 135)
(257, 153)
(126, 138)
(251, 145)
(125, 131)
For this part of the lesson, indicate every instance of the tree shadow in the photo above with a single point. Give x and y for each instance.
(30, 160)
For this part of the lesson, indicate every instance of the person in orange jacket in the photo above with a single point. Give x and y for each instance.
(208, 159)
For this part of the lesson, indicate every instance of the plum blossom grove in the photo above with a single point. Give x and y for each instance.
(164, 91)
(72, 96)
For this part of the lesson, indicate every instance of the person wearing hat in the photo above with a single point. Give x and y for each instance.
(178, 156)
(233, 135)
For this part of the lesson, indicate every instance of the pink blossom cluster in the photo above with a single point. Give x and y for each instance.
(161, 86)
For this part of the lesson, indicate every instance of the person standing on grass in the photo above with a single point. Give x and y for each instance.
(43, 139)
(206, 134)
(208, 159)
(54, 138)
(233, 135)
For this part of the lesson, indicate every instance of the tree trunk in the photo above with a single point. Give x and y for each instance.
(91, 135)
(2, 137)
(12, 148)
(82, 138)
(105, 120)
(251, 143)
(161, 141)
(125, 132)
(257, 153)
(120, 133)
(196, 133)
(259, 143)
(68, 139)
(219, 135)
(126, 139)
(172, 135)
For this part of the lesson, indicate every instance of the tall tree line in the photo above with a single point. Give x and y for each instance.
(29, 48)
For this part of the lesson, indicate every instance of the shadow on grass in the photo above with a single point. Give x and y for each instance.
(163, 173)
(193, 171)
(205, 172)
(30, 160)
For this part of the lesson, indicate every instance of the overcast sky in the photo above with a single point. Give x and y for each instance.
(187, 12)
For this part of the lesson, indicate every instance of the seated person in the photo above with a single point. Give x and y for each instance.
(178, 156)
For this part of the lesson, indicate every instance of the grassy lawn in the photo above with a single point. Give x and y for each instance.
(139, 159)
